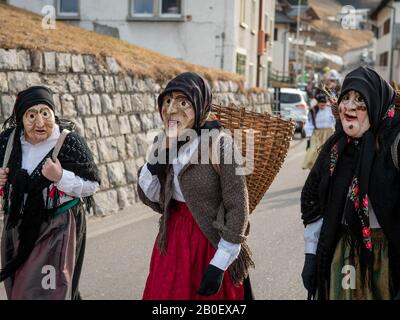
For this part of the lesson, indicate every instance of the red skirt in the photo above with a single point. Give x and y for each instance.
(177, 275)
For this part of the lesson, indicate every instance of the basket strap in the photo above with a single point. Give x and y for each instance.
(9, 148)
(214, 163)
(394, 150)
(213, 157)
(59, 144)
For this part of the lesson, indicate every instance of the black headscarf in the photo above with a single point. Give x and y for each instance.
(197, 90)
(32, 96)
(359, 166)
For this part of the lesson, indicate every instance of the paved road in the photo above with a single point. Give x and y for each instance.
(119, 246)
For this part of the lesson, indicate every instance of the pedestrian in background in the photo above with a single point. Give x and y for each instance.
(319, 127)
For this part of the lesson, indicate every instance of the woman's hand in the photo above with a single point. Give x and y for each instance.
(3, 176)
(159, 155)
(212, 281)
(52, 170)
(309, 273)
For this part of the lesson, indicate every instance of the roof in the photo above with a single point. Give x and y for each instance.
(282, 18)
(21, 29)
(345, 40)
(361, 4)
(382, 4)
(304, 11)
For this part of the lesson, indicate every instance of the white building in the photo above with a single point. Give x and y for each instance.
(387, 30)
(283, 33)
(224, 34)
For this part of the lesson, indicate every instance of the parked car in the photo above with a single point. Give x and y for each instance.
(293, 105)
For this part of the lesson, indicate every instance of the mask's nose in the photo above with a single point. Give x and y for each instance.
(39, 121)
(171, 108)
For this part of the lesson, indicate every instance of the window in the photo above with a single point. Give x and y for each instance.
(266, 23)
(143, 8)
(384, 59)
(375, 30)
(254, 16)
(290, 98)
(276, 34)
(156, 9)
(386, 27)
(251, 80)
(241, 64)
(243, 14)
(68, 8)
(171, 7)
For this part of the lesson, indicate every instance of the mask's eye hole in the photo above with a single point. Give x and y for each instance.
(359, 99)
(168, 101)
(183, 103)
(46, 114)
(31, 116)
(345, 97)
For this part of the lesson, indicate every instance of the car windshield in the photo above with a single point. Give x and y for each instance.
(290, 98)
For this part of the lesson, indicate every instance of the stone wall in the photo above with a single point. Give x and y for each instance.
(112, 109)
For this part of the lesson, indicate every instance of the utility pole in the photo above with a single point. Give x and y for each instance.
(297, 38)
(392, 41)
(260, 39)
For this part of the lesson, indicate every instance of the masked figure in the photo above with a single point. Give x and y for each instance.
(332, 82)
(350, 201)
(45, 200)
(200, 251)
(319, 127)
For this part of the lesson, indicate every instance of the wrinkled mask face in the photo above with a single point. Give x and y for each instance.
(178, 114)
(39, 122)
(353, 114)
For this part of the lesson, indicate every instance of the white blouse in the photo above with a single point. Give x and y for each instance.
(324, 119)
(72, 185)
(227, 252)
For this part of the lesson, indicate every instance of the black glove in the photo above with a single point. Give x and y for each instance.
(212, 281)
(309, 273)
(157, 168)
(308, 144)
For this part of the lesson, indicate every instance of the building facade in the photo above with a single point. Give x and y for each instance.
(386, 19)
(233, 35)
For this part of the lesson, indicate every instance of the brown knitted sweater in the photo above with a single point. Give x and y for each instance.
(218, 202)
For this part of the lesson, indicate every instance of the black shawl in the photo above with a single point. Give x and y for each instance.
(367, 161)
(74, 156)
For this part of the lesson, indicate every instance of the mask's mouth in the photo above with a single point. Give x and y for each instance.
(40, 131)
(350, 117)
(173, 123)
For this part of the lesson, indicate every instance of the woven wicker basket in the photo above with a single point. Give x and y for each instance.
(272, 139)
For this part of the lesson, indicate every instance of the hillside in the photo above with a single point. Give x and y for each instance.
(346, 39)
